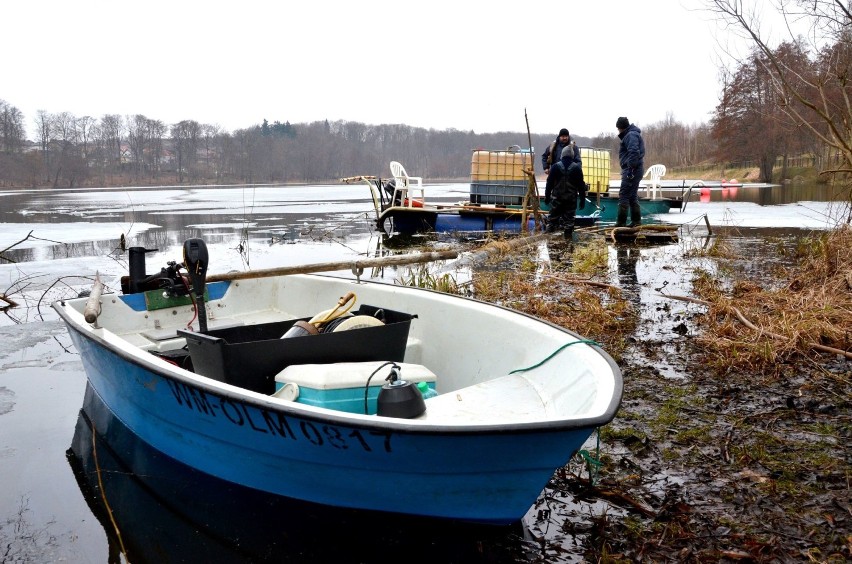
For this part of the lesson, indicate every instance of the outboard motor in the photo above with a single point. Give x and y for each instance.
(196, 259)
(390, 188)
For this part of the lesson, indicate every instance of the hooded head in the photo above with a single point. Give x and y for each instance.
(563, 132)
(622, 123)
(567, 156)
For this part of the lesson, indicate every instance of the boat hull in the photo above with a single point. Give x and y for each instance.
(169, 512)
(608, 204)
(478, 472)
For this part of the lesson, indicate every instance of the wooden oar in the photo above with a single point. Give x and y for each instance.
(357, 265)
(93, 304)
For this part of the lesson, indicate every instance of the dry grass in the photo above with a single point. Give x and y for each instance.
(596, 312)
(814, 308)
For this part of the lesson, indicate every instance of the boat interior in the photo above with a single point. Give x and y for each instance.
(334, 343)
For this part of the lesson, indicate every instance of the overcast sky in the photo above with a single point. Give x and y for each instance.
(462, 64)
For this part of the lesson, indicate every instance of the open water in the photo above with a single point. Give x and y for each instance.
(51, 509)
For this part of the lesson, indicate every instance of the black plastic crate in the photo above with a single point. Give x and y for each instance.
(250, 356)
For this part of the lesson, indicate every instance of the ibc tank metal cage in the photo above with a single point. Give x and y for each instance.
(596, 163)
(498, 178)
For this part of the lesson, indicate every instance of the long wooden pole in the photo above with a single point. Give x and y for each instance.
(494, 248)
(411, 258)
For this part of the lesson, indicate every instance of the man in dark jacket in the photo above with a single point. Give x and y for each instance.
(631, 156)
(565, 187)
(553, 153)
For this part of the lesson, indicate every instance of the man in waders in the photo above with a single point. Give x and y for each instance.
(565, 187)
(631, 156)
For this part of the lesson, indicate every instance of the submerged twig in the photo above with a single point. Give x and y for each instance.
(582, 281)
(615, 496)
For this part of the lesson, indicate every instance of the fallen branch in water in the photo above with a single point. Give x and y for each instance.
(582, 281)
(744, 320)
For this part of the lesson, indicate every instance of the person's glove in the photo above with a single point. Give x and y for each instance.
(547, 200)
(630, 175)
(582, 203)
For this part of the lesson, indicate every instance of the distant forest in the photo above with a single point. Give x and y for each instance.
(776, 104)
(74, 151)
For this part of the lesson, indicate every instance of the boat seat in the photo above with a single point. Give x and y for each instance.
(170, 333)
(512, 398)
(404, 185)
(654, 174)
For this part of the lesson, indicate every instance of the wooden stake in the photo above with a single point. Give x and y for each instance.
(532, 187)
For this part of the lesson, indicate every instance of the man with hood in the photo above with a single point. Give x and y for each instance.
(565, 187)
(631, 157)
(553, 153)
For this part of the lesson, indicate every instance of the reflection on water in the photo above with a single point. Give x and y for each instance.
(765, 194)
(627, 256)
(163, 511)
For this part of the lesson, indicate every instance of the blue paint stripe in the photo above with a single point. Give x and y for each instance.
(216, 290)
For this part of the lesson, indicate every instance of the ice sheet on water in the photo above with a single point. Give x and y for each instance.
(806, 215)
(16, 338)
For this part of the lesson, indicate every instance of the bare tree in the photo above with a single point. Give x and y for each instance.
(816, 98)
(186, 139)
(63, 137)
(153, 158)
(84, 126)
(112, 132)
(44, 136)
(145, 138)
(209, 134)
(12, 135)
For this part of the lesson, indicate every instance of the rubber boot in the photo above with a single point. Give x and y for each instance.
(568, 225)
(635, 215)
(621, 220)
(552, 225)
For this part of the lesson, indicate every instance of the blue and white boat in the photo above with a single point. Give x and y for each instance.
(418, 403)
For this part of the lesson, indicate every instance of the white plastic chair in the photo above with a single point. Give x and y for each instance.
(404, 184)
(654, 174)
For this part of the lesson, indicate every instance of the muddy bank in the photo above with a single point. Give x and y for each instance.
(702, 463)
